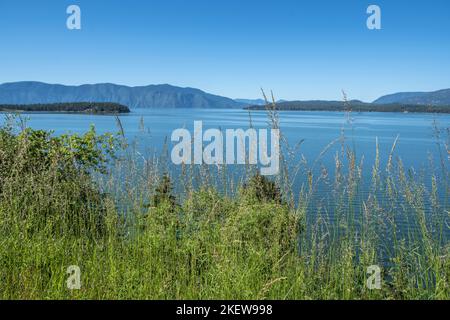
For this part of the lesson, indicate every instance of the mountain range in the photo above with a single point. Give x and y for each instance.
(152, 96)
(168, 96)
(251, 102)
(255, 102)
(435, 98)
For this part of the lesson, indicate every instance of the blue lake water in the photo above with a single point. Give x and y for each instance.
(416, 134)
(417, 142)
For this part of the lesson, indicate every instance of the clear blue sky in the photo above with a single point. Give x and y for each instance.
(299, 49)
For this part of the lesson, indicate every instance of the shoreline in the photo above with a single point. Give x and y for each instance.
(346, 111)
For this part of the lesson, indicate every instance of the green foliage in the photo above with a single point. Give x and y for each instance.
(355, 106)
(83, 107)
(38, 150)
(163, 193)
(45, 181)
(262, 189)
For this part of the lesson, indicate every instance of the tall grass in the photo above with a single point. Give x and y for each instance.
(135, 234)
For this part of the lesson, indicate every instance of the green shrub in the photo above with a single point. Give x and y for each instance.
(262, 189)
(163, 193)
(46, 183)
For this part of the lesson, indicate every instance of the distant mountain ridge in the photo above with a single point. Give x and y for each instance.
(168, 96)
(152, 96)
(255, 102)
(436, 98)
(251, 102)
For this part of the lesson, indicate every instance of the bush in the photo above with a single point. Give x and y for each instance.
(261, 189)
(163, 193)
(45, 181)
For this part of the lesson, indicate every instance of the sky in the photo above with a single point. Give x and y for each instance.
(300, 50)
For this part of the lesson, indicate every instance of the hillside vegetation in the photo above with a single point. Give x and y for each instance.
(72, 200)
(354, 106)
(69, 107)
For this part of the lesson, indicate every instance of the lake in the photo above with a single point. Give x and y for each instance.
(416, 134)
(417, 142)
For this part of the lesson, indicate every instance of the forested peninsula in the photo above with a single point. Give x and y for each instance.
(69, 107)
(354, 105)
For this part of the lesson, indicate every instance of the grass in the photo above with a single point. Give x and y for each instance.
(136, 235)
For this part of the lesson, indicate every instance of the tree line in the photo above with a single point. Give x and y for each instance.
(354, 106)
(78, 107)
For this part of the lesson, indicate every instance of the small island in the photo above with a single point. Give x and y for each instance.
(68, 107)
